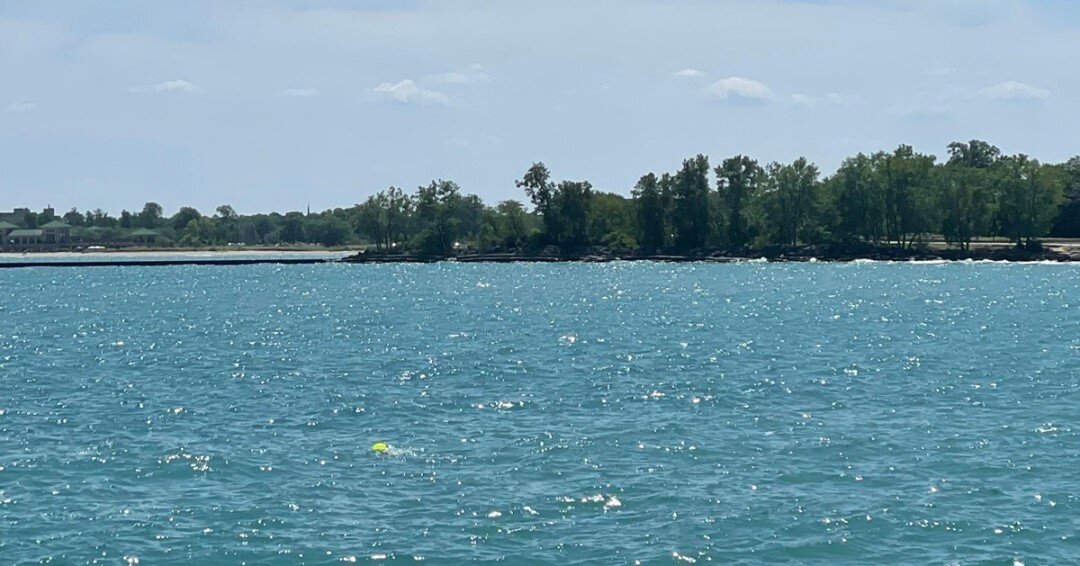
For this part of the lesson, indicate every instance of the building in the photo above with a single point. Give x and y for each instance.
(144, 236)
(17, 216)
(5, 229)
(56, 232)
(25, 237)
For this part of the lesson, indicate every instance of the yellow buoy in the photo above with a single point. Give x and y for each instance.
(380, 447)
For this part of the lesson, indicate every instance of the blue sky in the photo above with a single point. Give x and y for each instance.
(274, 105)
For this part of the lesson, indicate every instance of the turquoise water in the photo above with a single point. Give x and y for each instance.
(565, 414)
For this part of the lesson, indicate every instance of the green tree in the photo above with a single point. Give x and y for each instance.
(909, 207)
(650, 213)
(1029, 195)
(690, 206)
(437, 205)
(788, 198)
(541, 192)
(857, 197)
(965, 192)
(384, 218)
(975, 154)
(966, 202)
(74, 217)
(183, 216)
(570, 209)
(513, 222)
(611, 221)
(737, 180)
(292, 228)
(98, 217)
(201, 231)
(150, 216)
(227, 224)
(1067, 223)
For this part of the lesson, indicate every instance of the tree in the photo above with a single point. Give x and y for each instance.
(690, 205)
(966, 202)
(74, 217)
(611, 221)
(98, 217)
(857, 197)
(1067, 223)
(437, 205)
(513, 222)
(541, 192)
(650, 213)
(127, 219)
(227, 224)
(327, 229)
(150, 216)
(976, 154)
(183, 216)
(788, 198)
(201, 231)
(384, 216)
(1029, 195)
(965, 194)
(908, 204)
(737, 179)
(570, 210)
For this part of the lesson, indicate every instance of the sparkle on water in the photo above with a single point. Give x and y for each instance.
(572, 413)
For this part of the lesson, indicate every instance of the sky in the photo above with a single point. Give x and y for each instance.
(283, 105)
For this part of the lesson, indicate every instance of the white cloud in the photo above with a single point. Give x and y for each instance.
(918, 112)
(458, 142)
(167, 86)
(740, 91)
(1013, 90)
(941, 71)
(688, 73)
(475, 73)
(299, 93)
(830, 99)
(21, 107)
(407, 92)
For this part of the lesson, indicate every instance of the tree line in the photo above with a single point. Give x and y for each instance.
(900, 198)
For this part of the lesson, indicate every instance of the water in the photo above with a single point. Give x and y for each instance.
(752, 413)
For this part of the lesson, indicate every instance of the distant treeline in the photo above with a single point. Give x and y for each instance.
(900, 198)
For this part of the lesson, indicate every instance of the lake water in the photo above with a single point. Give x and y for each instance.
(562, 414)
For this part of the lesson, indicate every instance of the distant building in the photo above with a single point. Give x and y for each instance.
(144, 236)
(56, 232)
(16, 217)
(25, 237)
(5, 229)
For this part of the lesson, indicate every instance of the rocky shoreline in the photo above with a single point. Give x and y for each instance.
(824, 253)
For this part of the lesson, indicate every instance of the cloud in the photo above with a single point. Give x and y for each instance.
(458, 142)
(739, 90)
(167, 86)
(941, 71)
(21, 107)
(473, 74)
(407, 92)
(830, 99)
(299, 93)
(688, 73)
(919, 112)
(1013, 90)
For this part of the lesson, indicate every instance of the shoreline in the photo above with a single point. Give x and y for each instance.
(773, 254)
